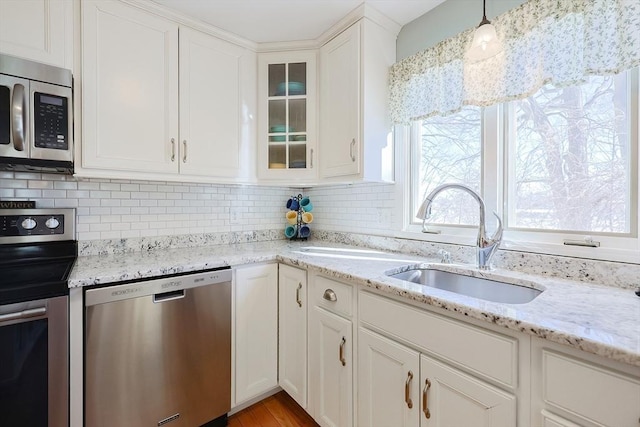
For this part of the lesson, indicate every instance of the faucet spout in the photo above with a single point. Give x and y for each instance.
(486, 246)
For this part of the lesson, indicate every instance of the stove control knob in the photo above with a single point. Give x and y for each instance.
(29, 223)
(52, 223)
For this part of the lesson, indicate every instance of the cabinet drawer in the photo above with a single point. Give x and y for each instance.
(335, 296)
(590, 391)
(485, 353)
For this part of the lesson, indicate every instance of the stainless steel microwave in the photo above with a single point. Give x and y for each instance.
(36, 116)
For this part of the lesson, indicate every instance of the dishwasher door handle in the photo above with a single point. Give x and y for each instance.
(168, 296)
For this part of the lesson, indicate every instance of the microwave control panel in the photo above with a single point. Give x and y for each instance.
(51, 121)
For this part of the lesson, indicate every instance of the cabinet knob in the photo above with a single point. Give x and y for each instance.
(329, 295)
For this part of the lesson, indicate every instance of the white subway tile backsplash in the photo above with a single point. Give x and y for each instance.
(28, 194)
(64, 185)
(66, 203)
(120, 209)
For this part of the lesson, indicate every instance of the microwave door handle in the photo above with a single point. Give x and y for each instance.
(19, 116)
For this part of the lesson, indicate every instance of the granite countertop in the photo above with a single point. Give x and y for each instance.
(596, 319)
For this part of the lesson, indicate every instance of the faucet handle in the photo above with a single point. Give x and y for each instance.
(497, 236)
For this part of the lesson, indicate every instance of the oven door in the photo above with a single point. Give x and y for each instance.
(34, 363)
(14, 110)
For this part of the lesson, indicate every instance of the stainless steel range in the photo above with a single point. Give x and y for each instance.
(37, 252)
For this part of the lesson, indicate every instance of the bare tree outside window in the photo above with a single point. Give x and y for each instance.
(570, 158)
(450, 151)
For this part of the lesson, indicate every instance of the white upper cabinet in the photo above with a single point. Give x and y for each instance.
(355, 130)
(39, 30)
(215, 79)
(287, 116)
(129, 89)
(158, 107)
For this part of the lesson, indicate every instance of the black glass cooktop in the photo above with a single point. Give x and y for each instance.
(30, 272)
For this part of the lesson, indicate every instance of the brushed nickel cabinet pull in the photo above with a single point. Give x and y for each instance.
(329, 295)
(343, 342)
(298, 300)
(425, 405)
(311, 158)
(352, 147)
(173, 149)
(184, 157)
(407, 390)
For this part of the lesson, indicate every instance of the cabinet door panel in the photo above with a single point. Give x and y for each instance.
(130, 88)
(256, 330)
(383, 370)
(39, 30)
(331, 382)
(292, 343)
(457, 399)
(287, 118)
(340, 105)
(589, 391)
(210, 113)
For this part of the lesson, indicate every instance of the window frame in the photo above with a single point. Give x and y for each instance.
(494, 190)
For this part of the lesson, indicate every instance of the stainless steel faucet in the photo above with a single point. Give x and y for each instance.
(485, 247)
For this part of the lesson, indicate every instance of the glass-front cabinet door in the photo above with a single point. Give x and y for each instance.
(287, 115)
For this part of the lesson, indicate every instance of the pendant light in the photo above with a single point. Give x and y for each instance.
(485, 42)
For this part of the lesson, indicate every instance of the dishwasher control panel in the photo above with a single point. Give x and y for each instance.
(163, 289)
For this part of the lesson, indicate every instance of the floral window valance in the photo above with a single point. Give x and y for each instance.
(544, 41)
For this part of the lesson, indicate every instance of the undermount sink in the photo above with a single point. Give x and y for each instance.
(490, 290)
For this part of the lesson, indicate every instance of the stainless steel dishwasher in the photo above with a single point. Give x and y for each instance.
(158, 352)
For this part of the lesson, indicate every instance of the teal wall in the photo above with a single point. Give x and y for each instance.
(446, 20)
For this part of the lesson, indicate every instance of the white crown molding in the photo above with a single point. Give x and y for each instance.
(288, 46)
(193, 23)
(362, 11)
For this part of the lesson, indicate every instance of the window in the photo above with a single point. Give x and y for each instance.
(563, 166)
(569, 163)
(449, 150)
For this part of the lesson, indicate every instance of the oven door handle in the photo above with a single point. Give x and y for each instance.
(23, 314)
(19, 115)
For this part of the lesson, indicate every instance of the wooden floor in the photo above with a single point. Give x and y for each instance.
(278, 410)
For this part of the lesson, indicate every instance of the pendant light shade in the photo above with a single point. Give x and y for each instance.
(485, 42)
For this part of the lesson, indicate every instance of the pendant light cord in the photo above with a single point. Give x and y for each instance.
(484, 14)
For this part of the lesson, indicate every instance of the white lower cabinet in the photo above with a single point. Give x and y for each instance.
(388, 382)
(574, 388)
(408, 366)
(397, 386)
(331, 358)
(331, 369)
(292, 332)
(454, 398)
(255, 325)
(418, 368)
